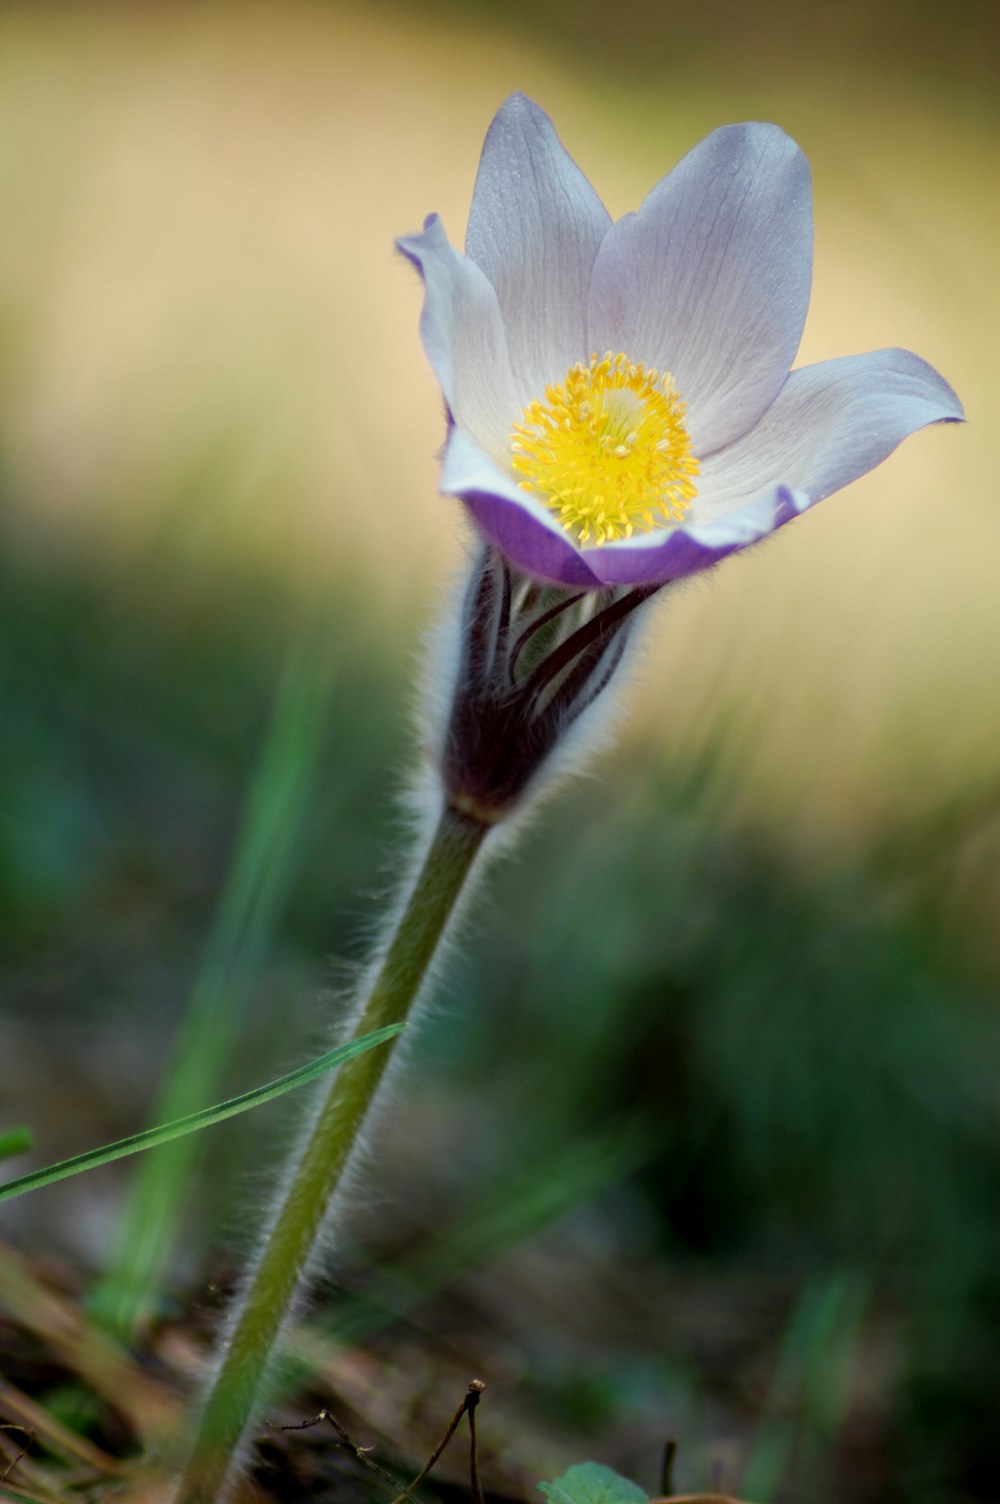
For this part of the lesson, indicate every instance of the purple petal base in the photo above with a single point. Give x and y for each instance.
(682, 551)
(527, 534)
(830, 424)
(531, 547)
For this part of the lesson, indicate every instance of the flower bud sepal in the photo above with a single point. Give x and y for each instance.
(533, 661)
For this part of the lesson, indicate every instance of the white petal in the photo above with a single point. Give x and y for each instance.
(710, 280)
(523, 529)
(534, 228)
(463, 335)
(829, 424)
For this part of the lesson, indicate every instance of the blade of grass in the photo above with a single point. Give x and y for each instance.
(515, 1209)
(195, 1121)
(33, 1496)
(258, 882)
(66, 1445)
(809, 1392)
(520, 1205)
(16, 1141)
(530, 1199)
(55, 1320)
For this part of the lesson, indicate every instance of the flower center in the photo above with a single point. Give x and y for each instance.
(607, 450)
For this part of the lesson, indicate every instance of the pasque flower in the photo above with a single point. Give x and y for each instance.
(621, 414)
(621, 406)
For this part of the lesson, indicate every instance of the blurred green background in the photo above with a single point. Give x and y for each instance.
(704, 1138)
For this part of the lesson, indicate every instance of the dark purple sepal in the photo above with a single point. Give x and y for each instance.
(533, 659)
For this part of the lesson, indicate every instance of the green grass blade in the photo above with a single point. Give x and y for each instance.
(151, 1137)
(810, 1390)
(16, 1141)
(517, 1208)
(255, 890)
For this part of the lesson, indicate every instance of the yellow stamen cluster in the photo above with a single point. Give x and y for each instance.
(607, 450)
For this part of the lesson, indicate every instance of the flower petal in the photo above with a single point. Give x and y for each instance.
(710, 280)
(672, 554)
(534, 228)
(463, 336)
(523, 529)
(829, 424)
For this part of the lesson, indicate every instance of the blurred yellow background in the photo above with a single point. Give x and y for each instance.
(210, 349)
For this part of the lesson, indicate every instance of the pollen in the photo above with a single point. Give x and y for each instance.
(607, 450)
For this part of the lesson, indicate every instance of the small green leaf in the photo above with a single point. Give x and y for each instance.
(16, 1141)
(590, 1483)
(205, 1119)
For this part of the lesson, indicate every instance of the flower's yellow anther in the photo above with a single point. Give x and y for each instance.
(607, 450)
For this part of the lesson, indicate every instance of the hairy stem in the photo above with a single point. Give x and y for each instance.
(271, 1291)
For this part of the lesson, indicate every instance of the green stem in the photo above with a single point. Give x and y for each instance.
(270, 1295)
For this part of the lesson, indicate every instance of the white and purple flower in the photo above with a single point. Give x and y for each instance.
(622, 409)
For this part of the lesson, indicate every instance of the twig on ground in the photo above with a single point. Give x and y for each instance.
(29, 1443)
(469, 1402)
(362, 1454)
(667, 1470)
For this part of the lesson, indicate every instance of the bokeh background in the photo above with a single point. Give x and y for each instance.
(703, 1139)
